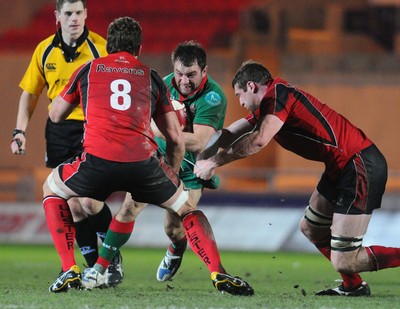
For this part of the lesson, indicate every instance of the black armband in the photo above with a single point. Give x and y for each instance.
(18, 131)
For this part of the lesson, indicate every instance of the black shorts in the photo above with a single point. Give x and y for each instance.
(361, 184)
(63, 141)
(150, 181)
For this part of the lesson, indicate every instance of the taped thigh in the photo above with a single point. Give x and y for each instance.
(58, 187)
(182, 198)
(316, 218)
(177, 200)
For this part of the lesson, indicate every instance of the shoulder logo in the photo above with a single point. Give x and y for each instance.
(51, 66)
(213, 98)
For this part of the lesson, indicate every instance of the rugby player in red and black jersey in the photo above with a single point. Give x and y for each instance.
(350, 188)
(120, 96)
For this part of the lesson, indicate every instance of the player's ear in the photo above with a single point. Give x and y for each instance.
(56, 16)
(138, 51)
(204, 72)
(252, 86)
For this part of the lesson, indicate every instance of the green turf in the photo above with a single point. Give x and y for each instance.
(280, 280)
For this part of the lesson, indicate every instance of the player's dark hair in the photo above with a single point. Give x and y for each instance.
(124, 34)
(251, 71)
(60, 3)
(190, 53)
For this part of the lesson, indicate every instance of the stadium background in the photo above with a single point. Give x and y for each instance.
(344, 52)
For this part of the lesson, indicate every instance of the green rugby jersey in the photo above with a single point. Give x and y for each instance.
(205, 106)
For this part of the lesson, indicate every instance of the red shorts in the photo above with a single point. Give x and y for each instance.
(151, 181)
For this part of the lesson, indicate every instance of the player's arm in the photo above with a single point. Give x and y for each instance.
(27, 105)
(253, 141)
(167, 122)
(225, 137)
(248, 144)
(196, 141)
(170, 128)
(60, 109)
(234, 131)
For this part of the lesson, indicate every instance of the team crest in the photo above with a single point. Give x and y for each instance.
(213, 98)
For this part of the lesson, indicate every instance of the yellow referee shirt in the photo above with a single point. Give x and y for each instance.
(49, 67)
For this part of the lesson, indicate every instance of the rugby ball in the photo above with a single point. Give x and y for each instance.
(180, 111)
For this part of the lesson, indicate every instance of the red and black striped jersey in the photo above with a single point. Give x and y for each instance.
(119, 96)
(311, 128)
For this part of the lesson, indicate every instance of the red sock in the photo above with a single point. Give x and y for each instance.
(61, 227)
(384, 257)
(350, 281)
(201, 238)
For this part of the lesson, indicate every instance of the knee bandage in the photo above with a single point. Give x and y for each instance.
(316, 218)
(344, 244)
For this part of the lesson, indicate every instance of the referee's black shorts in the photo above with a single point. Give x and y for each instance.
(63, 141)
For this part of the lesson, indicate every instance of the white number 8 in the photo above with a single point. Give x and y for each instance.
(120, 93)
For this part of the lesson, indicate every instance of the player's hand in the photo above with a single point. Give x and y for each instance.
(205, 169)
(18, 144)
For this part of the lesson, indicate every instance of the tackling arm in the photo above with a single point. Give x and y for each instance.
(246, 145)
(235, 131)
(252, 142)
(225, 137)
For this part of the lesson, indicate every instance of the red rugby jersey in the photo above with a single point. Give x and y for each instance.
(119, 95)
(311, 129)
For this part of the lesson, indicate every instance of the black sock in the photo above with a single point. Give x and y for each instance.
(101, 221)
(86, 239)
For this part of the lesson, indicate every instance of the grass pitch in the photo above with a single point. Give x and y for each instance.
(280, 280)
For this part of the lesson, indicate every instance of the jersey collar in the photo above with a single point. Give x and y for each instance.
(192, 94)
(70, 53)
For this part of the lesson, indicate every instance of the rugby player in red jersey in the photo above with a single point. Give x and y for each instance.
(350, 188)
(120, 96)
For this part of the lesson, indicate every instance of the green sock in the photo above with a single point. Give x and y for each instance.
(117, 235)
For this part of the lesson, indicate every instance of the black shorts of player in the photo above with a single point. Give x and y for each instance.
(360, 187)
(151, 181)
(63, 141)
